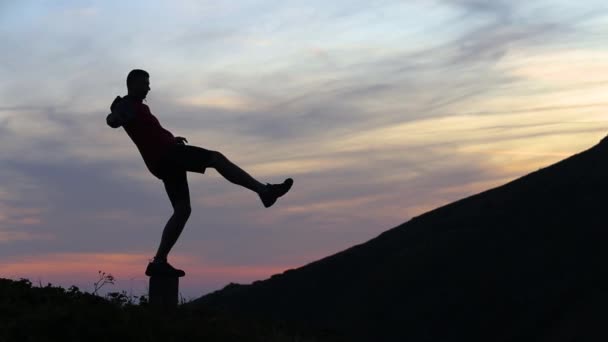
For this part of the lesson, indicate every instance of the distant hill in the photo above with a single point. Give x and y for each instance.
(523, 261)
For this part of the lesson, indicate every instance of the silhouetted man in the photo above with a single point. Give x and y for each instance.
(169, 158)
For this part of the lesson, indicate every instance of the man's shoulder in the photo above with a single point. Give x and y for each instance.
(145, 106)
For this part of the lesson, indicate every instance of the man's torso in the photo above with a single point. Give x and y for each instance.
(151, 139)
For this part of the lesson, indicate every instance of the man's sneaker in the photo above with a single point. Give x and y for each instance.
(273, 191)
(163, 268)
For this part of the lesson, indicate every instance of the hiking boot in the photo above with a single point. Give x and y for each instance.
(273, 191)
(163, 268)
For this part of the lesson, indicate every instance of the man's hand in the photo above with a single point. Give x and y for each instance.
(122, 113)
(111, 121)
(180, 140)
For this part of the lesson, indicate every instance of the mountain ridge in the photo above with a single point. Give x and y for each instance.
(513, 258)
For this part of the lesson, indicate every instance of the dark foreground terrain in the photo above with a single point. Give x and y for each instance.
(524, 261)
(40, 314)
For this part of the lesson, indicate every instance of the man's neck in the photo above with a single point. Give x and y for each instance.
(134, 97)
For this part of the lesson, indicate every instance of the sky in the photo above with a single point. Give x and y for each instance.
(379, 110)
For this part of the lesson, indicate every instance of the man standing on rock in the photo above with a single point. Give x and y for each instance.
(169, 158)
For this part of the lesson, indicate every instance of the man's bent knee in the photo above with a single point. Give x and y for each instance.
(183, 210)
(217, 159)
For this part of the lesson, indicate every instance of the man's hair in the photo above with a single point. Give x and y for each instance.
(135, 74)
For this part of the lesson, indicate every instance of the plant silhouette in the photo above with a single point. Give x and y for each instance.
(103, 280)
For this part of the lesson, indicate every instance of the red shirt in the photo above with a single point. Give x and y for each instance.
(151, 139)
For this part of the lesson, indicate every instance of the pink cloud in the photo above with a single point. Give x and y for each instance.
(81, 269)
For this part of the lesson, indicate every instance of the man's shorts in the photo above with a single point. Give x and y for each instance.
(181, 158)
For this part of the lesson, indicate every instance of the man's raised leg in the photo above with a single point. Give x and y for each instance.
(268, 192)
(235, 174)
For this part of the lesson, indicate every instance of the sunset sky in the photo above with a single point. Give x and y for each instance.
(379, 110)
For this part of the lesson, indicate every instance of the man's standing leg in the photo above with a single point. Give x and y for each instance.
(179, 195)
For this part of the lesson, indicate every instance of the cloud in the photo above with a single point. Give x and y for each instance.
(347, 101)
(81, 269)
(501, 10)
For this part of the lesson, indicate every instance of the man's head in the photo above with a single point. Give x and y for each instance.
(138, 83)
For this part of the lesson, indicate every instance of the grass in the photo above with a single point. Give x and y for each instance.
(52, 313)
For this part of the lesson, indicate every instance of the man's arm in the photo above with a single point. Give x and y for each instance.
(181, 140)
(122, 113)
